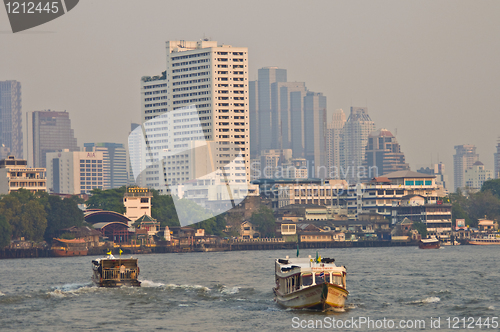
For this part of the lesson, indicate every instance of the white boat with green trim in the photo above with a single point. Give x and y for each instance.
(310, 283)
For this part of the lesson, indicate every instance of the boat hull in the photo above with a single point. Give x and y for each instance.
(68, 253)
(484, 243)
(116, 283)
(324, 297)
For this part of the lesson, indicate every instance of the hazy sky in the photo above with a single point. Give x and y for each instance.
(431, 69)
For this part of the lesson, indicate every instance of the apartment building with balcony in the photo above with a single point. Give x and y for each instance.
(376, 196)
(15, 174)
(436, 215)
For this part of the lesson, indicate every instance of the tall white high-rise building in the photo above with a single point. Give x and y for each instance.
(333, 135)
(475, 176)
(205, 87)
(463, 159)
(353, 143)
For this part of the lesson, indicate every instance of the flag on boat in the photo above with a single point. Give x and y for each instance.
(322, 274)
(121, 252)
(109, 252)
(297, 250)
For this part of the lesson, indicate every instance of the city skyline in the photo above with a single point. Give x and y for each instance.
(435, 78)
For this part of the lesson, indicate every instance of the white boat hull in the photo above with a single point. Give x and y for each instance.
(324, 297)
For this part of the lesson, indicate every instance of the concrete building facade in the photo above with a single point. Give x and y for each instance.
(74, 172)
(114, 163)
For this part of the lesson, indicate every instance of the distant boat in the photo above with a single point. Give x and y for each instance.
(307, 283)
(491, 239)
(115, 272)
(431, 243)
(65, 248)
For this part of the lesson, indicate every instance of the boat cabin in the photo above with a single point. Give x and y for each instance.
(296, 274)
(115, 272)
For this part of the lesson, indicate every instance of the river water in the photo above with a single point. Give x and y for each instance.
(232, 291)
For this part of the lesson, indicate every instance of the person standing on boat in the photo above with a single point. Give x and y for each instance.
(122, 271)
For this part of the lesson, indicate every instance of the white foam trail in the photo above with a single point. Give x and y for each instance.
(431, 299)
(72, 289)
(233, 290)
(491, 307)
(152, 284)
(2, 294)
(189, 287)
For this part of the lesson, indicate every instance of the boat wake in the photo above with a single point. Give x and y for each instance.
(72, 290)
(151, 284)
(187, 287)
(431, 299)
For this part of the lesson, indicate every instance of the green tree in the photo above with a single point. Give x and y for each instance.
(25, 214)
(109, 200)
(265, 221)
(483, 205)
(163, 209)
(493, 186)
(421, 228)
(61, 214)
(5, 232)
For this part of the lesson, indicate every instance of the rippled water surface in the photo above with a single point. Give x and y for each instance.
(232, 291)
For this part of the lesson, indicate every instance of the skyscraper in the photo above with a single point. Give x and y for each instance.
(315, 133)
(11, 133)
(268, 118)
(333, 134)
(287, 105)
(210, 83)
(285, 115)
(48, 131)
(354, 140)
(384, 152)
(463, 159)
(114, 165)
(497, 161)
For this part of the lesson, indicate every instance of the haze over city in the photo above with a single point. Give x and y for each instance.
(428, 71)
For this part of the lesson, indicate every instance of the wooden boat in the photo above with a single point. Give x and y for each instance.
(431, 243)
(65, 248)
(115, 272)
(310, 283)
(491, 239)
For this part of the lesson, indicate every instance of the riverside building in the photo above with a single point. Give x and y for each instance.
(15, 174)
